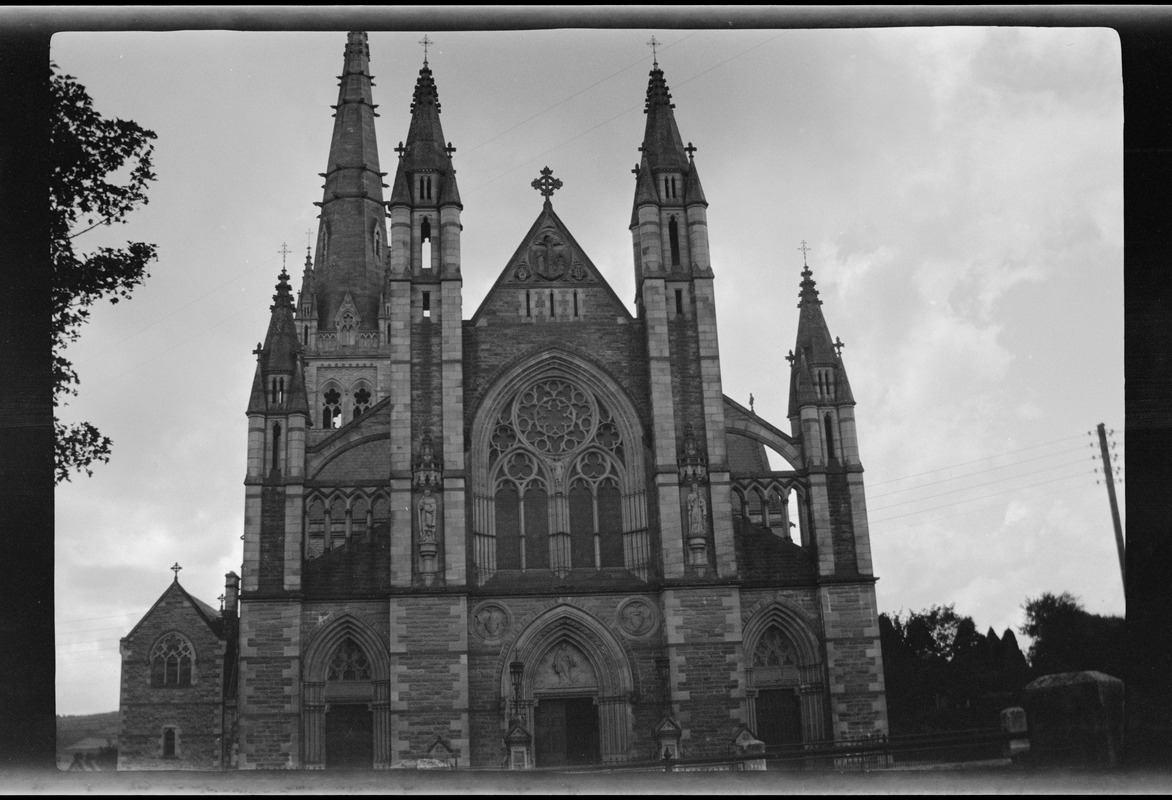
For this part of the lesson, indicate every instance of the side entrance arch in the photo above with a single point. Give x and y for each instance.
(576, 689)
(346, 699)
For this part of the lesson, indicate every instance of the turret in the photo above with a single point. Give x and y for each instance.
(351, 245)
(821, 405)
(669, 218)
(675, 299)
(278, 407)
(425, 201)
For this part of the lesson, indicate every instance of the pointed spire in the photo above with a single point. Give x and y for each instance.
(426, 150)
(815, 353)
(349, 258)
(662, 146)
(280, 356)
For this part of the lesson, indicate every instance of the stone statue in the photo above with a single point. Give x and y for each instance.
(697, 513)
(563, 665)
(427, 517)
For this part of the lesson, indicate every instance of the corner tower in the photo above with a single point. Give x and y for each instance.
(822, 417)
(674, 297)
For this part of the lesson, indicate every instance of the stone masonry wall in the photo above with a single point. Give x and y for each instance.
(194, 711)
(842, 531)
(854, 660)
(429, 675)
(703, 631)
(269, 687)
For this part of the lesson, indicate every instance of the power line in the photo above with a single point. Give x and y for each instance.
(978, 460)
(974, 474)
(973, 486)
(967, 512)
(972, 499)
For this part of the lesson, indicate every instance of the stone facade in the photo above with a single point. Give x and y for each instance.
(545, 522)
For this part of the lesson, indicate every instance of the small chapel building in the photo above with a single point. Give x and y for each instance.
(535, 536)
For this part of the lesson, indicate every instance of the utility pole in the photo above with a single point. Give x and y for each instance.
(1109, 476)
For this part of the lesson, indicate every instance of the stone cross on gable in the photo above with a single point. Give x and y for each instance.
(400, 149)
(175, 568)
(838, 345)
(546, 184)
(691, 151)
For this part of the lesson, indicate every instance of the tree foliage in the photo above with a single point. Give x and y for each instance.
(1068, 638)
(100, 171)
(941, 674)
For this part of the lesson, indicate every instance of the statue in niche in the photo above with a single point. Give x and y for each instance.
(427, 507)
(697, 513)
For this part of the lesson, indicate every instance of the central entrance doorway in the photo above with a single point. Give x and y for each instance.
(566, 731)
(349, 736)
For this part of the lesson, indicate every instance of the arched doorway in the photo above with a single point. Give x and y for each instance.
(346, 699)
(786, 689)
(575, 691)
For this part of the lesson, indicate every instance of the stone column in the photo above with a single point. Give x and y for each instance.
(614, 728)
(381, 712)
(313, 724)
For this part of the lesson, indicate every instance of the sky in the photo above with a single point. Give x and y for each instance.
(959, 191)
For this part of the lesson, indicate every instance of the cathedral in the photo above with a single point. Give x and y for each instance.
(536, 535)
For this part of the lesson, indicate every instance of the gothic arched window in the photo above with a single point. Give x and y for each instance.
(349, 663)
(331, 413)
(558, 472)
(362, 400)
(673, 236)
(171, 660)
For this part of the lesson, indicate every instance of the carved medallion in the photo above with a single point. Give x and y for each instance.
(578, 273)
(636, 616)
(522, 273)
(491, 621)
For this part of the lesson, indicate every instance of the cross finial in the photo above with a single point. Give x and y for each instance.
(654, 57)
(636, 170)
(838, 345)
(804, 250)
(546, 184)
(309, 238)
(221, 599)
(449, 149)
(790, 357)
(691, 151)
(176, 569)
(284, 251)
(751, 403)
(400, 149)
(425, 42)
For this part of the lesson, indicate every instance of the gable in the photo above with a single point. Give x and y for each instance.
(177, 610)
(550, 279)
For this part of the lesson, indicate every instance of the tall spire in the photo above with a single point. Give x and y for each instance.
(350, 252)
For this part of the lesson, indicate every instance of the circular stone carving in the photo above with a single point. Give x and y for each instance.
(637, 617)
(522, 273)
(578, 273)
(491, 621)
